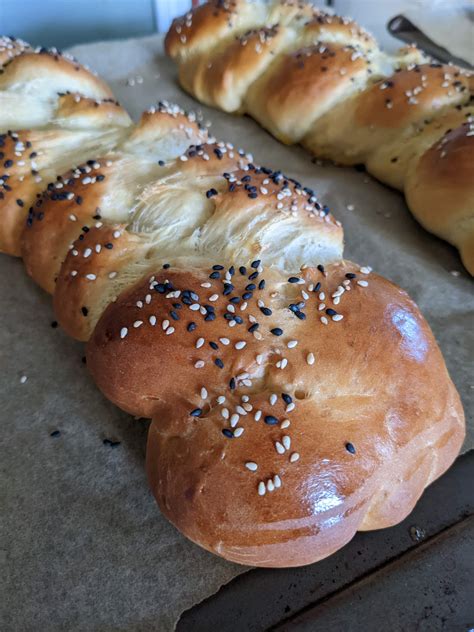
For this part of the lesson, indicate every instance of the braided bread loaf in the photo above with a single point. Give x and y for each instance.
(321, 81)
(295, 397)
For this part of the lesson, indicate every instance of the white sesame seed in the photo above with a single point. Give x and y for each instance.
(286, 442)
(23, 379)
(73, 273)
(285, 424)
(283, 363)
(73, 218)
(363, 283)
(199, 364)
(169, 331)
(138, 323)
(225, 413)
(324, 320)
(279, 447)
(240, 409)
(139, 304)
(203, 393)
(238, 431)
(165, 324)
(273, 399)
(322, 296)
(247, 407)
(112, 275)
(205, 285)
(123, 332)
(199, 343)
(240, 345)
(365, 270)
(234, 420)
(337, 317)
(214, 297)
(294, 457)
(148, 299)
(91, 277)
(290, 407)
(87, 252)
(250, 465)
(277, 481)
(270, 485)
(221, 399)
(310, 358)
(258, 415)
(152, 320)
(262, 489)
(194, 307)
(116, 234)
(224, 341)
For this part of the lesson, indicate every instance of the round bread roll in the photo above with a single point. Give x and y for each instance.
(288, 411)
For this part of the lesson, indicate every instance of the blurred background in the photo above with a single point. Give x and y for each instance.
(63, 23)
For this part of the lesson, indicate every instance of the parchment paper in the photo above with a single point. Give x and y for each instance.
(84, 545)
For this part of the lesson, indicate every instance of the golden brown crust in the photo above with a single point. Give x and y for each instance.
(352, 405)
(68, 118)
(443, 174)
(358, 105)
(410, 95)
(303, 85)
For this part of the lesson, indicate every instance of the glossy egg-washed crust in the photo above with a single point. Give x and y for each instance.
(371, 415)
(296, 397)
(320, 80)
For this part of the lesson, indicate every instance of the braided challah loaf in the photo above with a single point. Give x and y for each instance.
(321, 81)
(295, 397)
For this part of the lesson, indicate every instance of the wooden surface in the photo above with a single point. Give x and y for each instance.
(415, 576)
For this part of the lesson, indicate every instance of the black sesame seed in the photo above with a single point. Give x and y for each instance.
(78, 199)
(270, 420)
(247, 295)
(286, 398)
(218, 362)
(234, 299)
(300, 315)
(174, 315)
(160, 287)
(161, 163)
(8, 163)
(210, 193)
(109, 246)
(210, 316)
(350, 448)
(238, 320)
(266, 311)
(197, 412)
(243, 270)
(217, 267)
(250, 287)
(320, 268)
(191, 327)
(215, 275)
(350, 275)
(231, 270)
(331, 312)
(294, 279)
(253, 328)
(214, 345)
(55, 433)
(20, 203)
(317, 287)
(255, 263)
(54, 324)
(84, 311)
(253, 276)
(228, 433)
(232, 384)
(110, 443)
(276, 331)
(166, 266)
(261, 285)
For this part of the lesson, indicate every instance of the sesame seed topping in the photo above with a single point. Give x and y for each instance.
(285, 424)
(262, 489)
(279, 447)
(294, 457)
(199, 343)
(350, 448)
(240, 345)
(250, 465)
(123, 332)
(310, 358)
(203, 393)
(238, 431)
(152, 320)
(199, 364)
(291, 344)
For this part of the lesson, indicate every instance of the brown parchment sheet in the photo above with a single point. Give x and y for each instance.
(83, 545)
